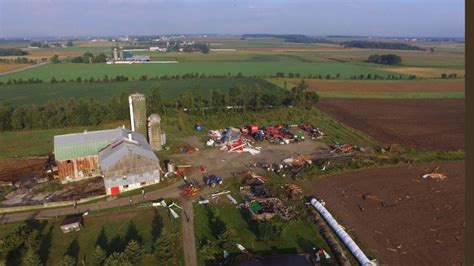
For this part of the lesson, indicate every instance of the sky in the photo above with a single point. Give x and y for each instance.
(56, 18)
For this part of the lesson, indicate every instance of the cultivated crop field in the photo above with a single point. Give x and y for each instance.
(72, 71)
(422, 221)
(421, 124)
(41, 93)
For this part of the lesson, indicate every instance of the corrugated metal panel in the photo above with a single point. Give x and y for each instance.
(131, 179)
(88, 143)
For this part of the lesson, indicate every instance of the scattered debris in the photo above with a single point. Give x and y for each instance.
(268, 208)
(214, 195)
(232, 199)
(435, 174)
(206, 201)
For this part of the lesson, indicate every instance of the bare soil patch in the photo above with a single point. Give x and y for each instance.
(10, 67)
(425, 124)
(388, 86)
(426, 72)
(225, 164)
(422, 222)
(19, 169)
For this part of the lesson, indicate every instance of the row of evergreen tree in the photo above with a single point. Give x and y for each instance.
(88, 111)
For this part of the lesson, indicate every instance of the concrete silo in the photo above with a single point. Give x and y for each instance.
(137, 106)
(115, 54)
(121, 53)
(156, 136)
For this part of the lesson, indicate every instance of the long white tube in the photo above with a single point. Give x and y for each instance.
(350, 244)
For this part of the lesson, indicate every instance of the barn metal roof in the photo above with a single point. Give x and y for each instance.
(120, 148)
(85, 144)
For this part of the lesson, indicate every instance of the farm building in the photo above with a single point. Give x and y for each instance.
(71, 223)
(128, 164)
(122, 157)
(138, 58)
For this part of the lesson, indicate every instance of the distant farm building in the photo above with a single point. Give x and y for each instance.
(138, 58)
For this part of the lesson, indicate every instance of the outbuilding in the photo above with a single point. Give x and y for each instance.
(71, 223)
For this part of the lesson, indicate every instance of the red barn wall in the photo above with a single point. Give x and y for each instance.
(78, 168)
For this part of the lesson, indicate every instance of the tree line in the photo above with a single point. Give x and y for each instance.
(90, 58)
(295, 38)
(12, 52)
(18, 60)
(123, 78)
(385, 59)
(380, 45)
(61, 113)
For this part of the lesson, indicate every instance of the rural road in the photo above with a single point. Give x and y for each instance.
(22, 69)
(189, 241)
(171, 191)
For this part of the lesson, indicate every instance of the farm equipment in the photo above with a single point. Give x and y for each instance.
(212, 180)
(190, 189)
(315, 132)
(343, 148)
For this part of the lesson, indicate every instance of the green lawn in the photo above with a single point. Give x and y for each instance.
(72, 71)
(118, 226)
(43, 92)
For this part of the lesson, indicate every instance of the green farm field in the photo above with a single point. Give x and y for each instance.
(72, 71)
(41, 93)
(117, 225)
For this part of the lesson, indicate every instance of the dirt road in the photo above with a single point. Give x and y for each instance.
(189, 241)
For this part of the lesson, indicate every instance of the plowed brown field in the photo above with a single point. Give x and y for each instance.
(386, 86)
(424, 124)
(422, 222)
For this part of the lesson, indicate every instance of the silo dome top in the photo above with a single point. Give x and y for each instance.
(154, 118)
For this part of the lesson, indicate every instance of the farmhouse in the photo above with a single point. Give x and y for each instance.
(122, 157)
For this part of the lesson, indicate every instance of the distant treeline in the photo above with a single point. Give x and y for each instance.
(88, 111)
(385, 59)
(297, 38)
(89, 58)
(380, 45)
(122, 78)
(18, 60)
(12, 52)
